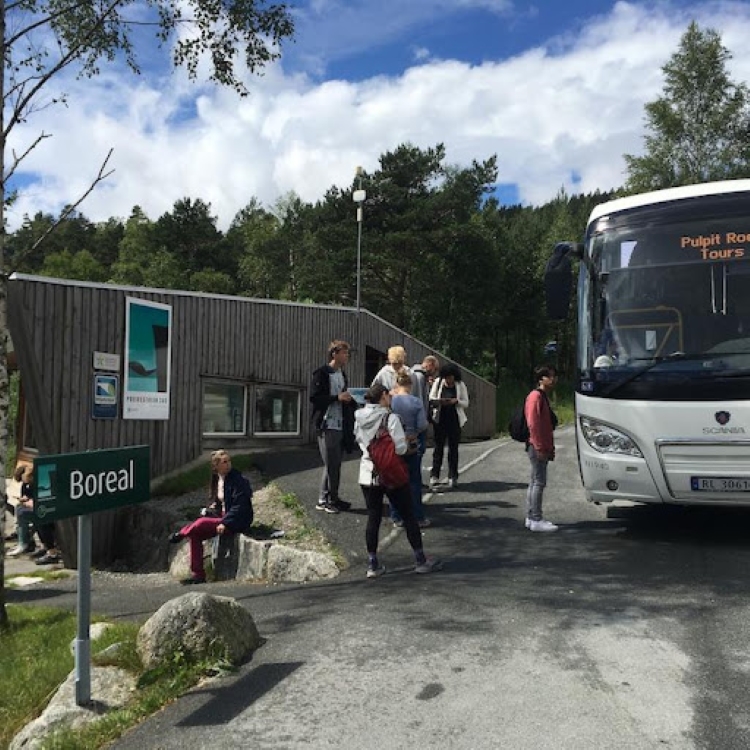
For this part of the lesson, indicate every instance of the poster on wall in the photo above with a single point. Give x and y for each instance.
(106, 388)
(148, 342)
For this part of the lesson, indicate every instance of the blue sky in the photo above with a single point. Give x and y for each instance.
(554, 89)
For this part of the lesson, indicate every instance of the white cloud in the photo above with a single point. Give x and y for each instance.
(572, 107)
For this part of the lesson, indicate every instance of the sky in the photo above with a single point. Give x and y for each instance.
(555, 89)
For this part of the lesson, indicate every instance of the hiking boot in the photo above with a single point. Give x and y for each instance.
(342, 505)
(542, 526)
(430, 565)
(327, 506)
(376, 572)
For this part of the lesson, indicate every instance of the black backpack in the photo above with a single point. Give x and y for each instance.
(517, 426)
(519, 429)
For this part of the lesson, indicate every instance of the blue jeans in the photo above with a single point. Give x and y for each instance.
(24, 519)
(536, 485)
(414, 464)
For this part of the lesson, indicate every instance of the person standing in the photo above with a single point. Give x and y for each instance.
(411, 412)
(422, 377)
(540, 447)
(333, 420)
(367, 423)
(24, 511)
(449, 400)
(230, 512)
(396, 364)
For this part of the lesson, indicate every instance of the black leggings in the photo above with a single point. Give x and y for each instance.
(400, 499)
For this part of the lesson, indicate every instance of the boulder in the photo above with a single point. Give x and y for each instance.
(201, 625)
(246, 559)
(289, 564)
(111, 688)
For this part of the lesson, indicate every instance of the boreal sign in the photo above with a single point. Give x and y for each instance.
(76, 484)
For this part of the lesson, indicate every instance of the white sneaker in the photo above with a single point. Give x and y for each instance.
(434, 482)
(17, 551)
(527, 523)
(452, 484)
(542, 526)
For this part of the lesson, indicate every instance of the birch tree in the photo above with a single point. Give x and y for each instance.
(41, 39)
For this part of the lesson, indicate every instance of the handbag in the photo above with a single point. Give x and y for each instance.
(389, 468)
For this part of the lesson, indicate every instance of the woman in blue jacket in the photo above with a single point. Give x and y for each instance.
(230, 512)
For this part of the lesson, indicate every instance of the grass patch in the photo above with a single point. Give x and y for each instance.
(196, 478)
(35, 657)
(44, 575)
(275, 509)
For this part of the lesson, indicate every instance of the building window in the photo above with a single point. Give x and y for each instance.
(277, 411)
(224, 409)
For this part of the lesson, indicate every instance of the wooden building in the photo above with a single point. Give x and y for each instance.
(237, 369)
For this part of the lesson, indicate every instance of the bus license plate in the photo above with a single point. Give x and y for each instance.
(719, 484)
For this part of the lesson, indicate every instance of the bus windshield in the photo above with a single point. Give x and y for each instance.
(665, 301)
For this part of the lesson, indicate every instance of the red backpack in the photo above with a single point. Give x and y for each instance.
(389, 467)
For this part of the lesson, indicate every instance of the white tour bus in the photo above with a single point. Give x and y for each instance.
(663, 387)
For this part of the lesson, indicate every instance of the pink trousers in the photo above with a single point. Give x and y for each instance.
(197, 532)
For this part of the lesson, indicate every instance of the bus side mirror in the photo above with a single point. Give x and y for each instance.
(558, 279)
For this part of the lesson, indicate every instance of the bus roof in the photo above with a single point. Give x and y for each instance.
(670, 194)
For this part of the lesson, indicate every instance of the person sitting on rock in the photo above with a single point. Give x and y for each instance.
(230, 512)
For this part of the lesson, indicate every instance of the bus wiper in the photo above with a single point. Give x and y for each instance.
(653, 362)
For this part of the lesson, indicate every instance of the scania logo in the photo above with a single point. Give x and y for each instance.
(723, 417)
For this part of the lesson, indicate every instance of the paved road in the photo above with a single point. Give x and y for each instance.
(626, 629)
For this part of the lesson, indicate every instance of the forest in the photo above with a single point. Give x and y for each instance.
(441, 258)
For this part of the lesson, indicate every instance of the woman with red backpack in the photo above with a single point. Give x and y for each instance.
(371, 423)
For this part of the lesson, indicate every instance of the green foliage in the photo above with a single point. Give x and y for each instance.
(290, 501)
(512, 393)
(34, 659)
(66, 265)
(698, 127)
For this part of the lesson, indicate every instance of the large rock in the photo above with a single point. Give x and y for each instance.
(111, 688)
(202, 625)
(258, 560)
(288, 564)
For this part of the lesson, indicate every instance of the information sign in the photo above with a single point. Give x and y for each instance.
(75, 484)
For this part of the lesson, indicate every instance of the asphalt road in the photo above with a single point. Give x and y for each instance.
(625, 629)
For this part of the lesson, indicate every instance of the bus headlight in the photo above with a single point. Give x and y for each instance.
(606, 439)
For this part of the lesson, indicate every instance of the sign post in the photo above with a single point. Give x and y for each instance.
(78, 484)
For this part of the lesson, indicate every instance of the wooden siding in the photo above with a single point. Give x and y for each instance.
(56, 326)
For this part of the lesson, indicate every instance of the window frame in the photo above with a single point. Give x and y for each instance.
(230, 383)
(274, 387)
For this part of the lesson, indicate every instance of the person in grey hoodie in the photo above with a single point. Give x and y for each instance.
(366, 424)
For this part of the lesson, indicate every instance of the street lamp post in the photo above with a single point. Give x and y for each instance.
(359, 196)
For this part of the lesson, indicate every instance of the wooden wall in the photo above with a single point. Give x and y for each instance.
(57, 325)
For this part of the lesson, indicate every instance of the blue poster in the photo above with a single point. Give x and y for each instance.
(148, 338)
(106, 396)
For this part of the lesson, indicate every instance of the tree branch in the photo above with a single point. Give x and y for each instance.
(69, 209)
(18, 159)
